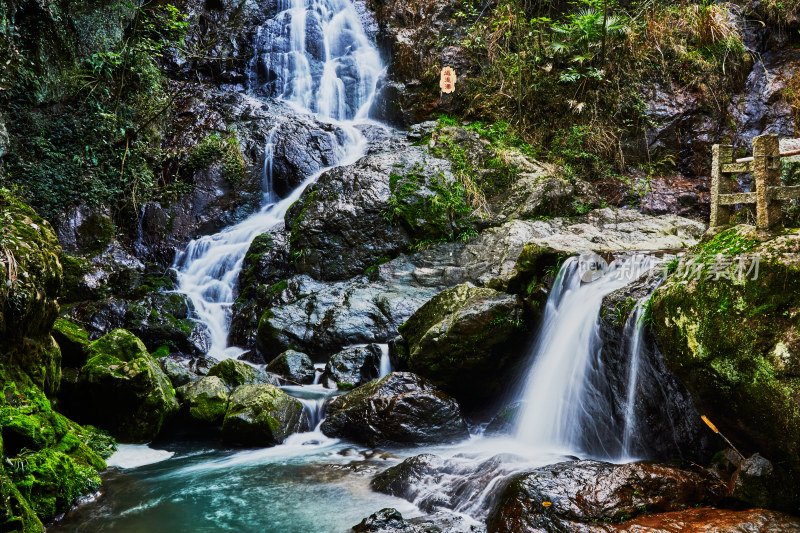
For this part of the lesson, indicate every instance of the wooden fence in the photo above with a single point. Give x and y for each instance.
(765, 165)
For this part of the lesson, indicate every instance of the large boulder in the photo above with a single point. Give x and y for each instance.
(122, 388)
(352, 367)
(205, 400)
(391, 521)
(294, 366)
(465, 340)
(31, 274)
(261, 415)
(564, 496)
(355, 216)
(400, 408)
(733, 342)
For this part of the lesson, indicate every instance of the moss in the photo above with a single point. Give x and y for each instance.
(224, 151)
(734, 343)
(16, 514)
(121, 388)
(233, 372)
(345, 386)
(75, 268)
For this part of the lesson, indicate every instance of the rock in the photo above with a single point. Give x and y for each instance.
(432, 483)
(701, 520)
(352, 367)
(163, 318)
(754, 482)
(321, 319)
(391, 521)
(264, 270)
(177, 373)
(206, 399)
(73, 341)
(345, 222)
(667, 424)
(733, 344)
(28, 305)
(565, 496)
(505, 422)
(295, 366)
(234, 373)
(85, 231)
(261, 415)
(122, 388)
(204, 116)
(400, 408)
(465, 340)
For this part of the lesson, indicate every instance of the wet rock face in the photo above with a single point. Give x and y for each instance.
(391, 521)
(301, 146)
(352, 367)
(261, 415)
(410, 30)
(668, 424)
(460, 483)
(563, 497)
(400, 408)
(464, 340)
(122, 388)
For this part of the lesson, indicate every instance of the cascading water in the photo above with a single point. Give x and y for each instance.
(559, 406)
(634, 333)
(316, 54)
(321, 61)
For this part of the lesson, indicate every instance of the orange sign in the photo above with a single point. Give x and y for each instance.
(448, 81)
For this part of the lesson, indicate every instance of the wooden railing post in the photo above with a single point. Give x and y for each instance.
(720, 184)
(767, 173)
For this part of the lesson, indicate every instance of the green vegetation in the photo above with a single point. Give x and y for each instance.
(586, 65)
(215, 149)
(433, 210)
(86, 125)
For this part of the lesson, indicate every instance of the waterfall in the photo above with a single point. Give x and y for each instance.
(564, 403)
(385, 367)
(315, 55)
(634, 333)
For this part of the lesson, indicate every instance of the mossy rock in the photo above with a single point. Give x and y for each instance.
(205, 400)
(234, 373)
(262, 415)
(161, 318)
(16, 514)
(73, 341)
(464, 340)
(52, 460)
(735, 344)
(28, 305)
(122, 388)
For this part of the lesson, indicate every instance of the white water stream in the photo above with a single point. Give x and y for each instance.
(556, 391)
(325, 65)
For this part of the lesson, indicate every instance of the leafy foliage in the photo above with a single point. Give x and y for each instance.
(100, 144)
